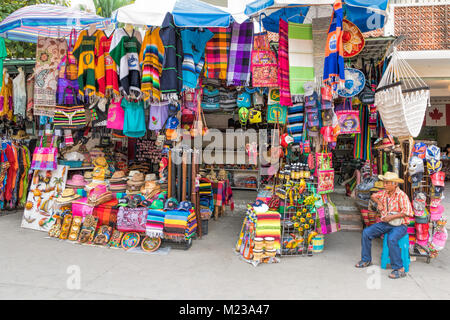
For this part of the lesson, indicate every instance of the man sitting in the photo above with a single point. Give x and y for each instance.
(395, 208)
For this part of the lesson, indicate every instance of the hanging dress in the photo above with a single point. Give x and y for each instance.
(19, 94)
(6, 98)
(49, 53)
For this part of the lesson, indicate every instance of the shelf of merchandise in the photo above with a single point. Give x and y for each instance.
(82, 168)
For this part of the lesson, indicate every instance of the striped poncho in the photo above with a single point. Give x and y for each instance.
(152, 58)
(125, 50)
(84, 52)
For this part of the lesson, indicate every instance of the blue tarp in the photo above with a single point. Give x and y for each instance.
(272, 22)
(366, 14)
(194, 13)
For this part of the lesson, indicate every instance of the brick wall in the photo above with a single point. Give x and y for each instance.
(426, 27)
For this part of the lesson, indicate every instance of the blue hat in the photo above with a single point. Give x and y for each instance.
(243, 99)
(185, 206)
(172, 123)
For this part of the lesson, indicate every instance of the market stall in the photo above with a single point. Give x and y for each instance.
(132, 127)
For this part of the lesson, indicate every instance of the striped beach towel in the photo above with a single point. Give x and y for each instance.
(283, 65)
(155, 223)
(296, 121)
(268, 225)
(216, 53)
(301, 56)
(238, 73)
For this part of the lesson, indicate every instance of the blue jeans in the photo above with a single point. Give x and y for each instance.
(376, 230)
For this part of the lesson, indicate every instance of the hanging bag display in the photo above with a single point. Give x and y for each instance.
(325, 175)
(199, 127)
(68, 74)
(69, 116)
(45, 158)
(264, 63)
(348, 119)
(327, 220)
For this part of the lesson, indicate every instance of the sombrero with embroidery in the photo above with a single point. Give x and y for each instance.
(354, 83)
(352, 38)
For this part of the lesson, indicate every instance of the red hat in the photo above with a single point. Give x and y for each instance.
(438, 179)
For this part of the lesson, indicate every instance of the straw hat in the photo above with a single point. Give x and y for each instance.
(390, 176)
(21, 134)
(68, 195)
(136, 180)
(118, 176)
(100, 162)
(77, 180)
(150, 177)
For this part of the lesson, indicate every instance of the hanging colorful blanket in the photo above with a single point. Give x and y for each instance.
(283, 65)
(216, 53)
(238, 73)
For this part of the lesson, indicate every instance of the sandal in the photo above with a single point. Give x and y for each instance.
(397, 274)
(363, 264)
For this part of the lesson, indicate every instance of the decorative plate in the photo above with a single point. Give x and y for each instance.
(130, 240)
(150, 244)
(354, 83)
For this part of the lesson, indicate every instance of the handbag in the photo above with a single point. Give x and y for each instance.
(69, 117)
(199, 127)
(264, 64)
(348, 119)
(276, 113)
(45, 158)
(325, 176)
(327, 220)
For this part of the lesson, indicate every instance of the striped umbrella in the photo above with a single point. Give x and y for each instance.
(53, 21)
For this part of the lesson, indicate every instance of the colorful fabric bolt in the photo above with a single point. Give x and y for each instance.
(238, 72)
(283, 65)
(155, 223)
(363, 148)
(216, 53)
(333, 71)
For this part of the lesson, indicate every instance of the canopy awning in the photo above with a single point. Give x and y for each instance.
(53, 21)
(186, 13)
(366, 14)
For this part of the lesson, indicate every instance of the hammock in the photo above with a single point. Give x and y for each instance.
(402, 98)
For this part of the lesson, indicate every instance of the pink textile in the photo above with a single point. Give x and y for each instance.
(283, 65)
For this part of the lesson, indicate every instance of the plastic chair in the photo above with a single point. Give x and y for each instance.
(404, 248)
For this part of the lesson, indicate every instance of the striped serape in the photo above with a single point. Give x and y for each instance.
(155, 223)
(268, 225)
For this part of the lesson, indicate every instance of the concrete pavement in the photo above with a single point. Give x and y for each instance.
(35, 267)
